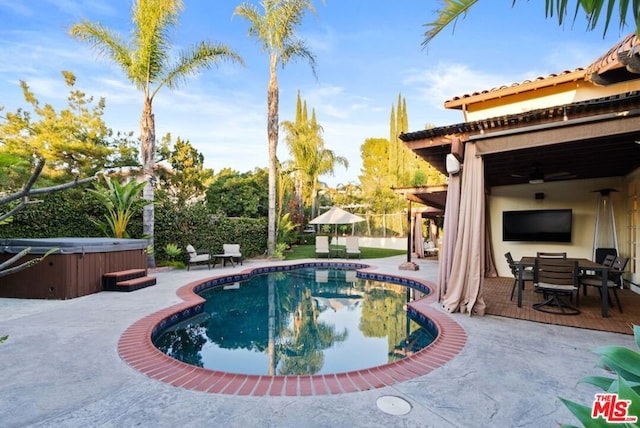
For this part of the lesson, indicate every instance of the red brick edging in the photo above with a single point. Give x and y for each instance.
(137, 350)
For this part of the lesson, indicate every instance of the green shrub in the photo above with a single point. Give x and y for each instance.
(69, 213)
(625, 364)
(172, 251)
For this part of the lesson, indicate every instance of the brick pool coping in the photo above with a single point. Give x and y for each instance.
(136, 349)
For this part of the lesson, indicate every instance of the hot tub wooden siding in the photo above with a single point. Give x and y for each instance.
(66, 276)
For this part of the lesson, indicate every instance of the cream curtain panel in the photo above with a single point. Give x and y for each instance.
(464, 289)
(490, 270)
(418, 239)
(449, 234)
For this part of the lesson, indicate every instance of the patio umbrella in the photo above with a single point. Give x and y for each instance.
(337, 216)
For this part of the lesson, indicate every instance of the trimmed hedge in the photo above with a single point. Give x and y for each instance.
(68, 213)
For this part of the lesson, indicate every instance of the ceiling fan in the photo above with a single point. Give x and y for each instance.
(537, 175)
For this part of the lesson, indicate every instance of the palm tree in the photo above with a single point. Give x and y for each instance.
(310, 159)
(145, 60)
(275, 28)
(454, 9)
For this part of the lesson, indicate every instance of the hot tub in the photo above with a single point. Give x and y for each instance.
(74, 270)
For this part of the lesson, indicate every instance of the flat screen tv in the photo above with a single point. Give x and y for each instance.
(537, 225)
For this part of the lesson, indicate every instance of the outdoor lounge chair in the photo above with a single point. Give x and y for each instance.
(430, 249)
(353, 247)
(195, 258)
(322, 246)
(556, 278)
(233, 250)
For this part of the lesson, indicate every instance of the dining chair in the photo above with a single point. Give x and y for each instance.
(527, 273)
(601, 253)
(556, 279)
(607, 262)
(552, 255)
(614, 279)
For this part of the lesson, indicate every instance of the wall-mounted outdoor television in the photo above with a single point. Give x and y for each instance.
(537, 225)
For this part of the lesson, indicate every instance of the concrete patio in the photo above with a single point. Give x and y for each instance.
(61, 368)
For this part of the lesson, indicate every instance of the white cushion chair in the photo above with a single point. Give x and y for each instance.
(430, 249)
(322, 245)
(353, 246)
(233, 250)
(195, 258)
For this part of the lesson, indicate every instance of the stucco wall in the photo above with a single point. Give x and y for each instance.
(547, 97)
(578, 195)
(371, 242)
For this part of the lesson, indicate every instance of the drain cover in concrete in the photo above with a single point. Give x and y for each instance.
(393, 405)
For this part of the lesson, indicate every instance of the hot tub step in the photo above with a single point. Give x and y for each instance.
(135, 283)
(111, 279)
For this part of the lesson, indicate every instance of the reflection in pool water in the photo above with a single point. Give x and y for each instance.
(300, 322)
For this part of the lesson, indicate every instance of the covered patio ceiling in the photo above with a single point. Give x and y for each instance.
(431, 196)
(591, 139)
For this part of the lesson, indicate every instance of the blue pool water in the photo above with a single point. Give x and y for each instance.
(299, 322)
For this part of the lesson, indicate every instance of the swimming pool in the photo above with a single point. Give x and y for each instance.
(305, 321)
(136, 348)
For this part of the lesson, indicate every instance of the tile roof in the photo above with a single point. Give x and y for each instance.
(614, 59)
(516, 88)
(555, 113)
(611, 60)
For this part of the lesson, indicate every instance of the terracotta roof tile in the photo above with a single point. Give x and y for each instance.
(607, 62)
(610, 60)
(517, 87)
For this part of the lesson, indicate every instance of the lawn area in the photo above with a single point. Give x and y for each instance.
(308, 252)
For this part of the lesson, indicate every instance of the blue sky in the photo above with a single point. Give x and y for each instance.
(367, 52)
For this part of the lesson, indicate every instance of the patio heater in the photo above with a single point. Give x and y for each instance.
(604, 234)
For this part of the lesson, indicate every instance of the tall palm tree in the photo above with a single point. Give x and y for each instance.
(145, 60)
(275, 29)
(320, 161)
(310, 158)
(454, 9)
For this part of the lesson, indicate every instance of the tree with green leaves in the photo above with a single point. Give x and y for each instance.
(188, 179)
(592, 10)
(44, 151)
(146, 62)
(375, 177)
(275, 27)
(405, 168)
(310, 158)
(72, 142)
(236, 194)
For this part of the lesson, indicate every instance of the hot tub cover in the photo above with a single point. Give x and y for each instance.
(71, 245)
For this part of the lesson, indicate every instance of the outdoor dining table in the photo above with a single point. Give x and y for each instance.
(583, 265)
